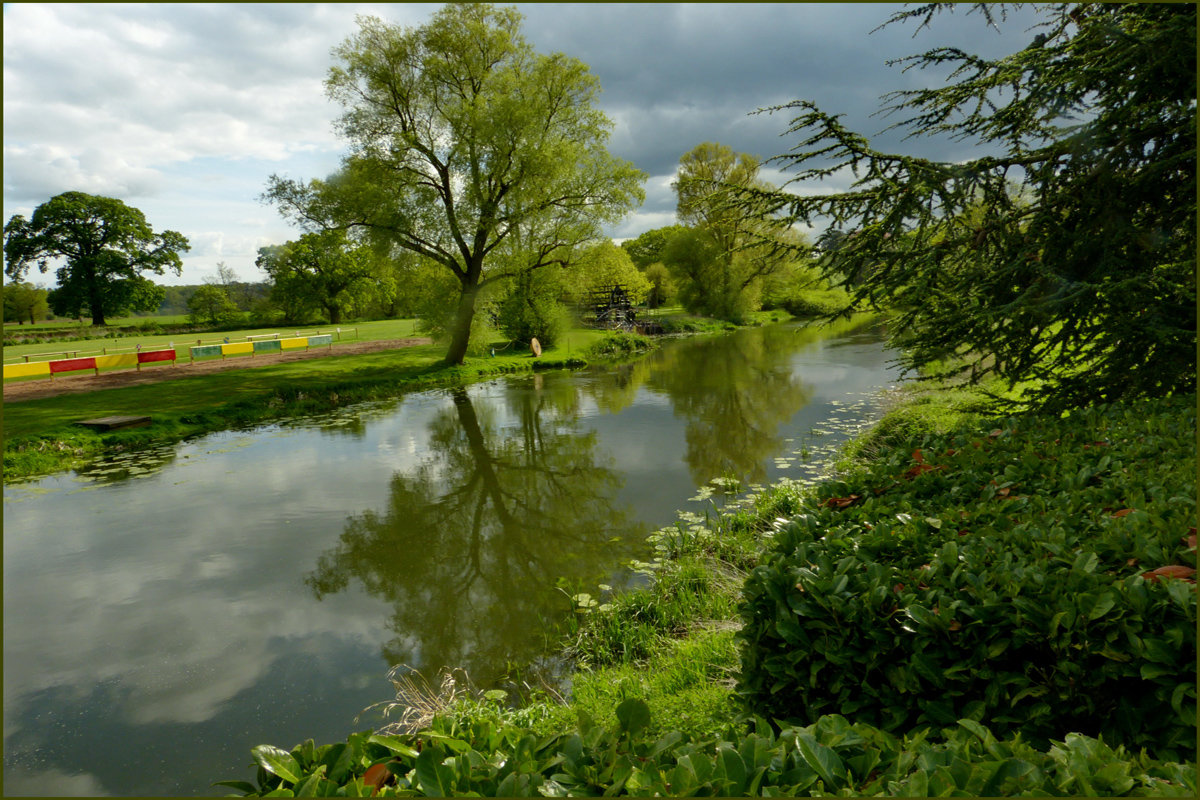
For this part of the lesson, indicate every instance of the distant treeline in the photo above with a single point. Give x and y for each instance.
(243, 294)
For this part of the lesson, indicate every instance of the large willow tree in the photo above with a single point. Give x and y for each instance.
(460, 136)
(1064, 256)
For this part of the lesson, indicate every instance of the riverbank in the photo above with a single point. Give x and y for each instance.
(1104, 502)
(41, 436)
(673, 643)
(1115, 480)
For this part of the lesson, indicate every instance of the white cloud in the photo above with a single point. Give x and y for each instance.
(19, 782)
(184, 110)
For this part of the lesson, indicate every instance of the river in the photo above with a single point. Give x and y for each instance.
(165, 612)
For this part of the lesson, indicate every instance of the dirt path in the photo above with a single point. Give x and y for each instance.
(154, 373)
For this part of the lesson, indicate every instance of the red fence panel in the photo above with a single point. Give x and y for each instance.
(156, 355)
(72, 364)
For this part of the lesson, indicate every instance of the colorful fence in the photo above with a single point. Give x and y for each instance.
(53, 368)
(261, 346)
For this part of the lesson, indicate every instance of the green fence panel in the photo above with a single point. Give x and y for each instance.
(325, 338)
(267, 346)
(205, 350)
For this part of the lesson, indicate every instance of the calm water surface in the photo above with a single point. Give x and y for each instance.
(163, 614)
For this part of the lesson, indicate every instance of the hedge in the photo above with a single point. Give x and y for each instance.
(1034, 578)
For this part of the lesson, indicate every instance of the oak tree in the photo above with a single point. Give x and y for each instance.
(319, 270)
(102, 245)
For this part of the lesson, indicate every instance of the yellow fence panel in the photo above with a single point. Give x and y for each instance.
(117, 360)
(237, 348)
(292, 344)
(25, 370)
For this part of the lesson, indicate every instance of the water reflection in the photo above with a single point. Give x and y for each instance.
(470, 545)
(122, 467)
(166, 613)
(734, 392)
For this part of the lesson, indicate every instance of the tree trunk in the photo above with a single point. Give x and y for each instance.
(335, 313)
(460, 336)
(95, 301)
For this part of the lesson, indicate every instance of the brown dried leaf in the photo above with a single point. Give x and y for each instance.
(1171, 571)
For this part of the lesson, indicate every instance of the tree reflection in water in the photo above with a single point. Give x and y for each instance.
(734, 391)
(470, 546)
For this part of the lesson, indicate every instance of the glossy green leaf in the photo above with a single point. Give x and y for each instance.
(1102, 605)
(429, 776)
(277, 762)
(310, 785)
(394, 744)
(733, 768)
(824, 761)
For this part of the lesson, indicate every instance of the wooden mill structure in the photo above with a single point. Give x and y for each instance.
(611, 307)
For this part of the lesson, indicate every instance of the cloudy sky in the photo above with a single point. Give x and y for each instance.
(184, 111)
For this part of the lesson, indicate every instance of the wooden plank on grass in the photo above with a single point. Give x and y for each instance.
(114, 422)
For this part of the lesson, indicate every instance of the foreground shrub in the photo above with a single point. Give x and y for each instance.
(1009, 577)
(618, 345)
(829, 757)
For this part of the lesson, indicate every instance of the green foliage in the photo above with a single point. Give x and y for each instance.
(719, 263)
(211, 304)
(693, 258)
(996, 577)
(816, 303)
(320, 270)
(662, 288)
(617, 346)
(436, 301)
(602, 265)
(683, 323)
(829, 757)
(104, 245)
(24, 302)
(463, 137)
(531, 310)
(1066, 253)
(647, 248)
(683, 681)
(244, 295)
